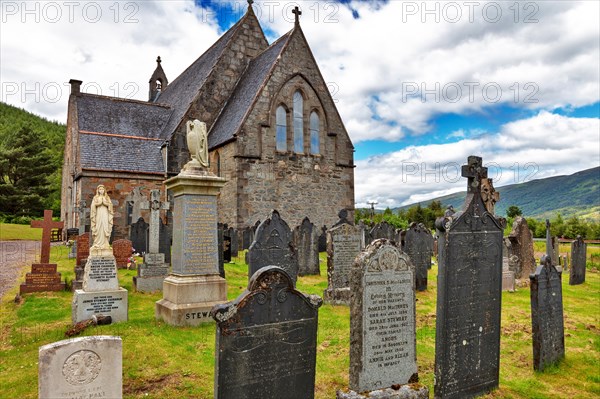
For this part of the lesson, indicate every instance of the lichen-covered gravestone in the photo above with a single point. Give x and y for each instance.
(306, 241)
(382, 319)
(343, 245)
(383, 230)
(273, 246)
(88, 367)
(467, 342)
(267, 340)
(418, 247)
(520, 251)
(578, 254)
(547, 315)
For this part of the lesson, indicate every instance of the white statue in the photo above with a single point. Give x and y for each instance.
(101, 217)
(197, 142)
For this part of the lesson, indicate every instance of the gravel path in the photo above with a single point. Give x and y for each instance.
(14, 256)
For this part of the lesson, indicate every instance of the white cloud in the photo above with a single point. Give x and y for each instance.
(541, 146)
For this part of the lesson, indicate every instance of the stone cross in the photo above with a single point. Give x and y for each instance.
(47, 225)
(296, 11)
(82, 212)
(154, 205)
(549, 241)
(474, 172)
(489, 194)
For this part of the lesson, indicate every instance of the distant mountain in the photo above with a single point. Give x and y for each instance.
(574, 195)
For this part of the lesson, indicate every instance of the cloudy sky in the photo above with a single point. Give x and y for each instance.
(419, 85)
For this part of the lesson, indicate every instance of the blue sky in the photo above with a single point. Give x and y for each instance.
(420, 86)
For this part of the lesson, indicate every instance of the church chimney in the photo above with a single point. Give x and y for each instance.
(75, 86)
(158, 82)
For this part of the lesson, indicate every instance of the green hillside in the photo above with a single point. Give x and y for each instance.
(573, 195)
(31, 155)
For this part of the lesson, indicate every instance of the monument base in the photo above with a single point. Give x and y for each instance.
(409, 391)
(187, 300)
(107, 303)
(43, 277)
(148, 284)
(337, 296)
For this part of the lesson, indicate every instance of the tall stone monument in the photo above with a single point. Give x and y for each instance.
(151, 273)
(43, 276)
(100, 293)
(578, 262)
(194, 285)
(467, 342)
(547, 315)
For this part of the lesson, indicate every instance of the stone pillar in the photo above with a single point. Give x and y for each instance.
(194, 285)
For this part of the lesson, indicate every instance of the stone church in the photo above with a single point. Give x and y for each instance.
(273, 131)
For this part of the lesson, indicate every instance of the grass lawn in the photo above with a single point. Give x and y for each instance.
(161, 361)
(19, 232)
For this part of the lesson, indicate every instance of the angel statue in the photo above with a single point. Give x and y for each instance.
(197, 142)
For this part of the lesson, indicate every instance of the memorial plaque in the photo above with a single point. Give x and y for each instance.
(273, 246)
(306, 241)
(382, 319)
(417, 247)
(547, 315)
(343, 245)
(88, 367)
(578, 262)
(267, 340)
(467, 355)
(196, 242)
(139, 235)
(100, 274)
(520, 250)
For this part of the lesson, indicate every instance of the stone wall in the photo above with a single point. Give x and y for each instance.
(69, 169)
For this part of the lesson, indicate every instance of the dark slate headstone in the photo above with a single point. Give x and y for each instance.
(139, 236)
(165, 234)
(467, 341)
(233, 236)
(520, 250)
(343, 245)
(226, 246)
(323, 239)
(267, 340)
(431, 246)
(417, 247)
(273, 246)
(306, 242)
(578, 256)
(247, 237)
(383, 230)
(221, 246)
(547, 315)
(382, 319)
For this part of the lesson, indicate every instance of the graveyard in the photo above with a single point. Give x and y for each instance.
(161, 361)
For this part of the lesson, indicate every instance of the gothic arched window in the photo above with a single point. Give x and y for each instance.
(314, 133)
(281, 131)
(298, 122)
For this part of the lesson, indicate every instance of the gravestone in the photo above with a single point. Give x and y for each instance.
(194, 285)
(382, 230)
(520, 251)
(122, 250)
(43, 276)
(273, 246)
(151, 273)
(343, 245)
(87, 367)
(578, 262)
(233, 235)
(221, 245)
(226, 245)
(382, 319)
(305, 240)
(430, 246)
(555, 250)
(467, 345)
(323, 239)
(417, 247)
(247, 237)
(164, 239)
(547, 315)
(267, 340)
(134, 201)
(139, 236)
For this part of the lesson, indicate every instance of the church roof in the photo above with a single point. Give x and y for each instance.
(247, 90)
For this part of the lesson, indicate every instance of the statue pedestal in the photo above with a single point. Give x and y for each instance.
(194, 285)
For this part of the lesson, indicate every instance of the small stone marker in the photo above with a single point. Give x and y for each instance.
(267, 340)
(467, 342)
(578, 262)
(122, 250)
(417, 247)
(88, 367)
(273, 246)
(43, 276)
(306, 242)
(382, 319)
(547, 315)
(343, 245)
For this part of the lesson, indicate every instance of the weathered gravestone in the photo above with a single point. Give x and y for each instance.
(122, 250)
(43, 276)
(233, 234)
(305, 240)
(520, 251)
(220, 252)
(547, 315)
(383, 230)
(226, 245)
(165, 238)
(578, 262)
(134, 201)
(417, 247)
(382, 319)
(88, 367)
(555, 250)
(323, 239)
(467, 355)
(267, 340)
(343, 245)
(139, 235)
(247, 237)
(273, 246)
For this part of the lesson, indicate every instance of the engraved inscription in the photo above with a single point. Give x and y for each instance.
(345, 249)
(102, 270)
(82, 367)
(102, 304)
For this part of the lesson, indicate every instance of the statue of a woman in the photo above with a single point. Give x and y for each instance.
(197, 142)
(101, 217)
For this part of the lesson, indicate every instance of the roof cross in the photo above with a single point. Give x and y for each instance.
(297, 12)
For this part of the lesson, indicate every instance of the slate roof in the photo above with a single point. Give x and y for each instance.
(247, 90)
